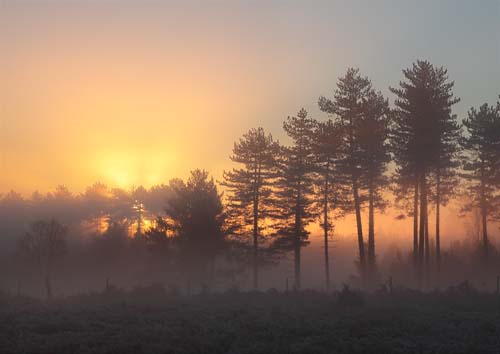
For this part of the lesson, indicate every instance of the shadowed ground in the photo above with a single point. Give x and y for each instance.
(149, 321)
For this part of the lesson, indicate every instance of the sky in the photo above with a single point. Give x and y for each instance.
(133, 93)
(136, 93)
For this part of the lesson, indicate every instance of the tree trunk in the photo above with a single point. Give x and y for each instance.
(423, 215)
(438, 237)
(484, 213)
(325, 229)
(371, 234)
(255, 239)
(297, 243)
(297, 253)
(415, 225)
(427, 248)
(361, 244)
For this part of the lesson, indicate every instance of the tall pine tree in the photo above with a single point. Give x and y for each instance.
(295, 188)
(249, 188)
(362, 115)
(373, 137)
(326, 148)
(423, 141)
(447, 136)
(482, 148)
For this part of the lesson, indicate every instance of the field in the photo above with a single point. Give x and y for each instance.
(148, 320)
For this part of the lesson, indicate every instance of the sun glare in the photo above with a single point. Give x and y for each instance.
(125, 170)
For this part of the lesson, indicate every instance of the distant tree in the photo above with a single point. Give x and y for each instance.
(373, 138)
(45, 243)
(157, 235)
(122, 207)
(154, 202)
(196, 211)
(249, 187)
(112, 245)
(61, 203)
(356, 106)
(14, 211)
(423, 141)
(331, 196)
(447, 134)
(482, 164)
(160, 243)
(497, 179)
(138, 196)
(295, 188)
(96, 205)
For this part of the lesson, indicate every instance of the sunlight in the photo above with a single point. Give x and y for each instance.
(125, 170)
(117, 171)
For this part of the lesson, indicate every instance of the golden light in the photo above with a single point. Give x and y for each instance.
(126, 169)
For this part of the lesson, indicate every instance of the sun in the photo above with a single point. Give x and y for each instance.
(133, 168)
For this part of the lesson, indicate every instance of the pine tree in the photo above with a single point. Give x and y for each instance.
(482, 148)
(448, 132)
(355, 105)
(249, 188)
(294, 189)
(197, 218)
(373, 137)
(326, 148)
(423, 141)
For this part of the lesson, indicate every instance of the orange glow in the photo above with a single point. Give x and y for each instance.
(131, 95)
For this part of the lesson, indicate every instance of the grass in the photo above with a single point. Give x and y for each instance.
(151, 321)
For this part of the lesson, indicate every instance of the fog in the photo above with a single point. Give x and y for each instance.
(103, 249)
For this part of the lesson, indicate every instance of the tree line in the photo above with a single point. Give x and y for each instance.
(342, 164)
(417, 150)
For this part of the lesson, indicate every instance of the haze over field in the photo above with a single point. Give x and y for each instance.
(135, 94)
(249, 176)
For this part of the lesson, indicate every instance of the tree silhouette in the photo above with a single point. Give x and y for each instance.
(447, 135)
(331, 196)
(112, 243)
(138, 196)
(161, 245)
(295, 187)
(249, 187)
(95, 204)
(482, 146)
(373, 137)
(424, 141)
(348, 107)
(196, 211)
(45, 243)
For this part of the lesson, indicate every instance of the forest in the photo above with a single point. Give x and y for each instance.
(199, 235)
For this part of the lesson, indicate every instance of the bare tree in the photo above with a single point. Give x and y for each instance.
(44, 244)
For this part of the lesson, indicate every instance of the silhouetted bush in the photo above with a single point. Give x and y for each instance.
(348, 297)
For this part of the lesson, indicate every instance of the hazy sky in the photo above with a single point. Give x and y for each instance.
(133, 93)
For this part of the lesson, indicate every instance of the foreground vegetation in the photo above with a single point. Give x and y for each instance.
(151, 320)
